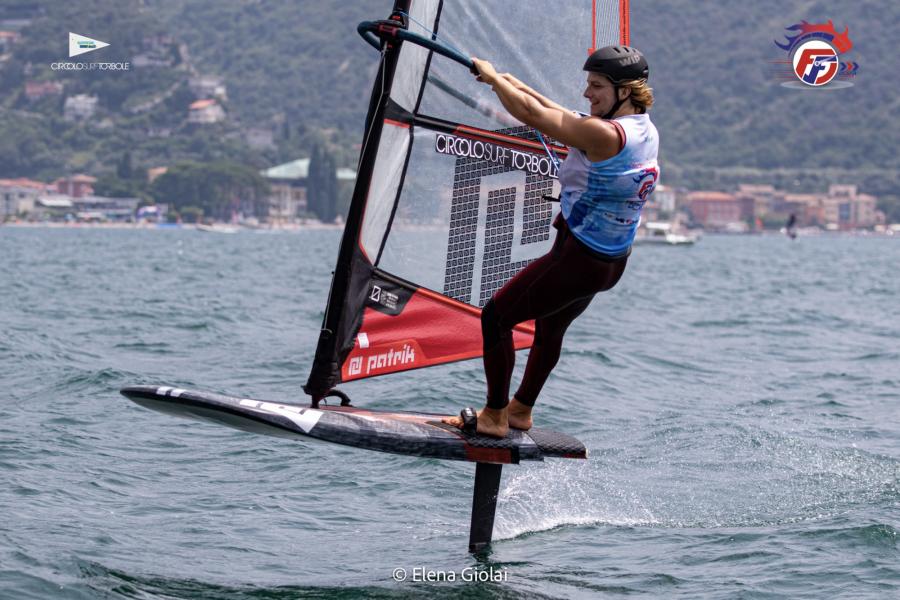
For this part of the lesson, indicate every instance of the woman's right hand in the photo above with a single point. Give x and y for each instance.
(486, 72)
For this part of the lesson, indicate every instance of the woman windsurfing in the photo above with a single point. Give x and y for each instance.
(606, 178)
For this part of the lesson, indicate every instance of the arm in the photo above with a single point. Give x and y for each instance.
(596, 137)
(543, 100)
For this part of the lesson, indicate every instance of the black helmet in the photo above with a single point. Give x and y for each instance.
(619, 63)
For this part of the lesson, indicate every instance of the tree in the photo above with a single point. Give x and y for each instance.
(124, 167)
(321, 184)
(192, 214)
(113, 186)
(890, 206)
(219, 189)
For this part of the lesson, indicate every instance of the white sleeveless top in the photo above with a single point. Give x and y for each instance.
(602, 201)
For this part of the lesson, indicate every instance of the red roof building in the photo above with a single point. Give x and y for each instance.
(76, 186)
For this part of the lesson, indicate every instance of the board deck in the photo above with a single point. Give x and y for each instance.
(411, 433)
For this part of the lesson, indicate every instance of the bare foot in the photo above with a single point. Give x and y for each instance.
(519, 415)
(491, 422)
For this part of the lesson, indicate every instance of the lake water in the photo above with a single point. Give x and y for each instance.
(740, 400)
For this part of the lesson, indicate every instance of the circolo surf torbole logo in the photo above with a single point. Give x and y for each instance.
(815, 52)
(80, 44)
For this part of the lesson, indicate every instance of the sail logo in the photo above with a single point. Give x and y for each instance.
(445, 143)
(405, 355)
(387, 358)
(79, 44)
(815, 60)
(384, 298)
(355, 367)
(499, 218)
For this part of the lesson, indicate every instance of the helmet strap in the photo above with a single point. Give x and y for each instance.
(616, 106)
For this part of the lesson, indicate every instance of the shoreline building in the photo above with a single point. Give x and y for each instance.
(288, 196)
(841, 208)
(18, 196)
(846, 208)
(75, 186)
(720, 211)
(287, 190)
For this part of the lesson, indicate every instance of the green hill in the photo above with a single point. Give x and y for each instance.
(298, 70)
(723, 117)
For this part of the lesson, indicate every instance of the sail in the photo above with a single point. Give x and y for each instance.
(451, 193)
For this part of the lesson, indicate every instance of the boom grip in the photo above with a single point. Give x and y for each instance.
(375, 32)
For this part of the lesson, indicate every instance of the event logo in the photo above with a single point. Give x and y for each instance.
(651, 175)
(815, 53)
(815, 62)
(79, 44)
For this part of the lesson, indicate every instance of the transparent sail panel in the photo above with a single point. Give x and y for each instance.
(545, 46)
(465, 225)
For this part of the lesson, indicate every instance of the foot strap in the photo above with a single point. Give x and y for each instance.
(469, 420)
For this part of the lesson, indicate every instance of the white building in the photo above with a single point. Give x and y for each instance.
(80, 107)
(846, 208)
(18, 196)
(664, 198)
(205, 112)
(208, 86)
(287, 190)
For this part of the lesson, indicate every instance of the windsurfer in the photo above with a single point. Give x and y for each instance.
(610, 171)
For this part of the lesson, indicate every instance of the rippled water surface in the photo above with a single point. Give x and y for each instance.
(740, 400)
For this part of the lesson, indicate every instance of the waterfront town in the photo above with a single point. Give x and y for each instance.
(284, 202)
(72, 200)
(749, 209)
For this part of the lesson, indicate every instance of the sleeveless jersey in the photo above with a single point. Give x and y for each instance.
(602, 201)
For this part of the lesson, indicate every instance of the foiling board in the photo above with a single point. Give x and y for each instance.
(411, 433)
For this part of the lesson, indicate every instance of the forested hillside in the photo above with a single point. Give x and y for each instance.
(298, 69)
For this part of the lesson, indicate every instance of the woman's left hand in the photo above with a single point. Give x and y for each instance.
(486, 72)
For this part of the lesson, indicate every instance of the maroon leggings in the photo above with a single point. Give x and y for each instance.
(552, 290)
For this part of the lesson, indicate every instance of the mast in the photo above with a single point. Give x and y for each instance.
(353, 269)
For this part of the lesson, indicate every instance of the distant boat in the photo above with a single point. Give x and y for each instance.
(217, 228)
(664, 233)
